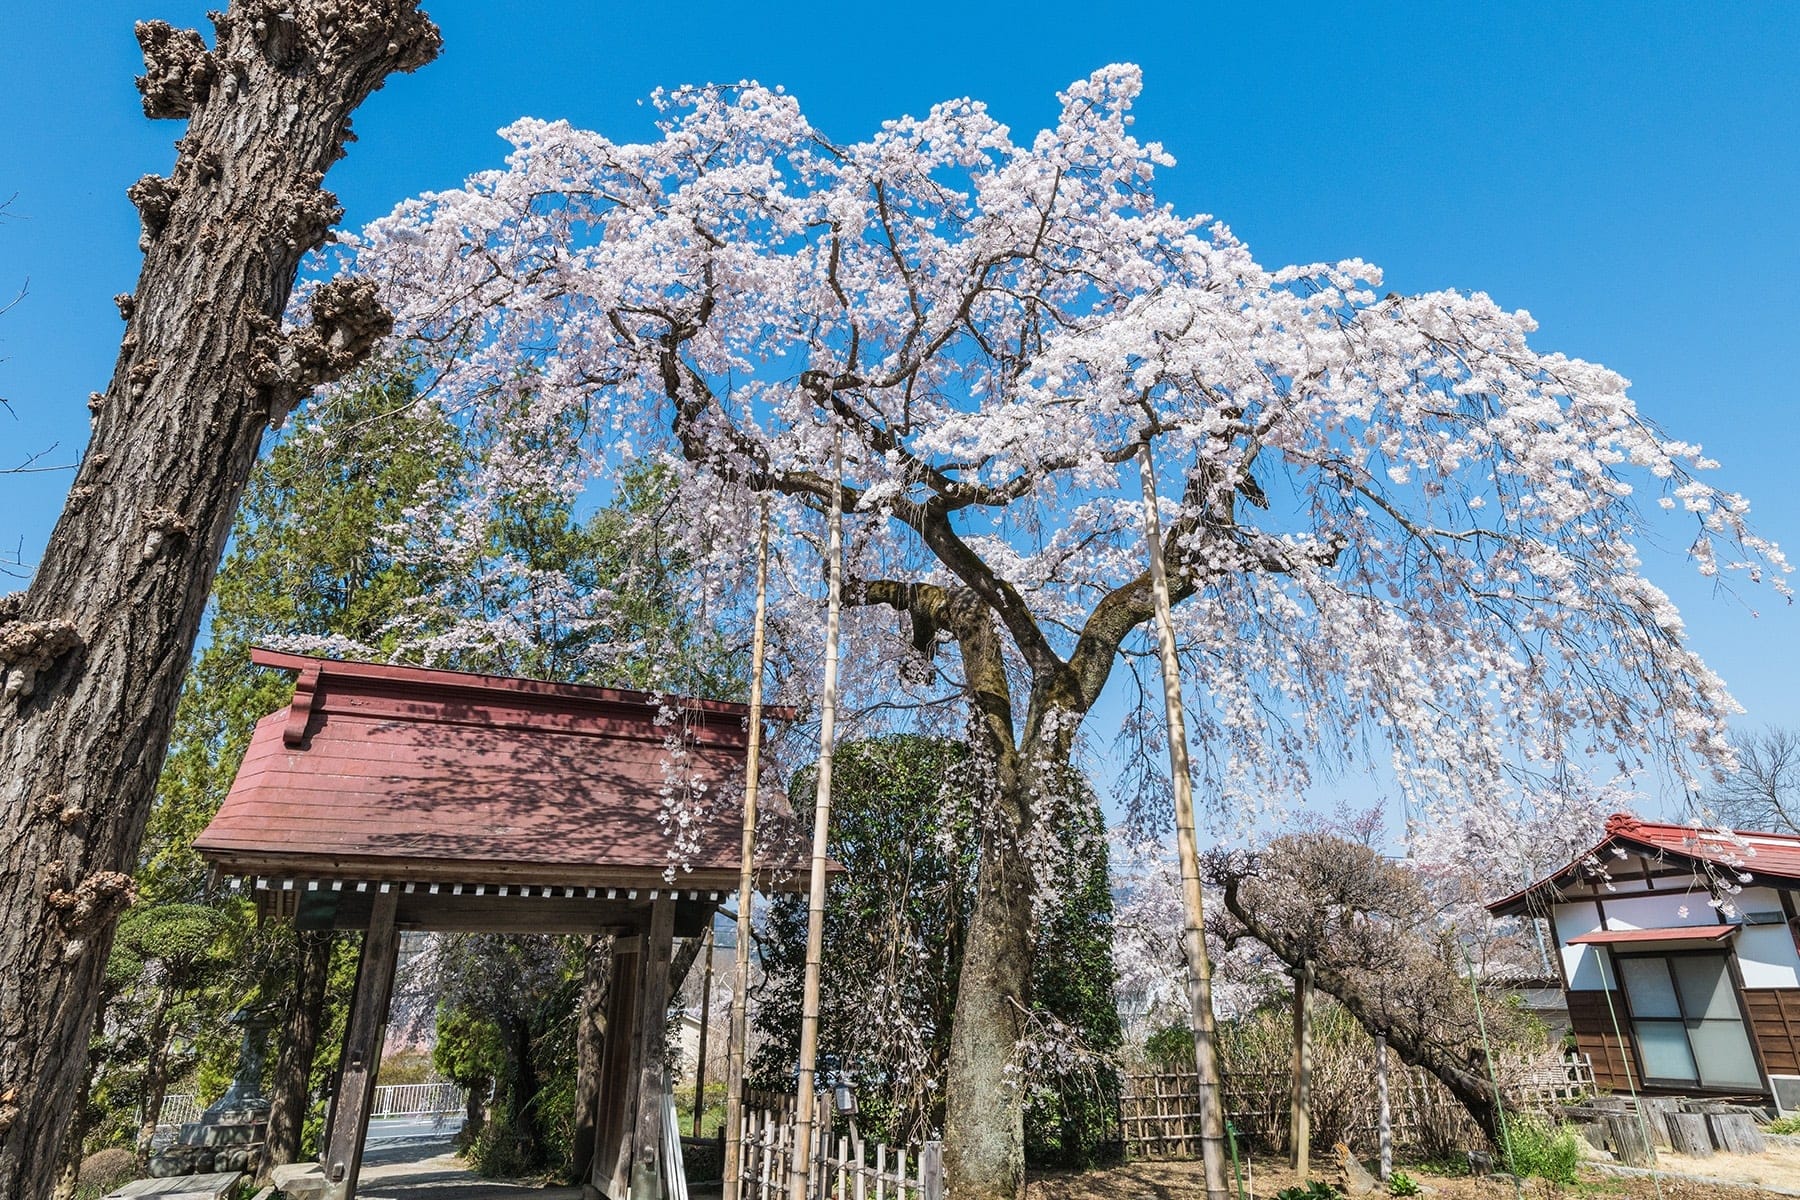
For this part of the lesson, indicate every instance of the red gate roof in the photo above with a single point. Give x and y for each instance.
(377, 771)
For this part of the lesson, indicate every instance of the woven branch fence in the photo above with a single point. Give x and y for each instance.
(1159, 1111)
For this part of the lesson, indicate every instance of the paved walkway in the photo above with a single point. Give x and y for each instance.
(427, 1170)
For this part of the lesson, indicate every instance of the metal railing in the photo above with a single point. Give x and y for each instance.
(391, 1100)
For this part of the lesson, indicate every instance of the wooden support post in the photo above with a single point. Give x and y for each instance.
(740, 982)
(647, 1181)
(1193, 935)
(1300, 1084)
(815, 912)
(612, 1145)
(931, 1170)
(362, 1049)
(590, 1042)
(1384, 1116)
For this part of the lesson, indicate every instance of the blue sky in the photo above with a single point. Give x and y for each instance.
(1627, 173)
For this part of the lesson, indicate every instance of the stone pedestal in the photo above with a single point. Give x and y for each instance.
(229, 1135)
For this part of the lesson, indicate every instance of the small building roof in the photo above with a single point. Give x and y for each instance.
(1677, 933)
(1768, 857)
(385, 772)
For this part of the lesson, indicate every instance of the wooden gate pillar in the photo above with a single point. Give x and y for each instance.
(647, 1182)
(612, 1147)
(362, 1049)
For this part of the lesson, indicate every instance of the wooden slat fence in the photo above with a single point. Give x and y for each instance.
(841, 1168)
(1159, 1112)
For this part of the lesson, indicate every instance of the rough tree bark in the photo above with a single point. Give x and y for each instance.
(92, 653)
(68, 1176)
(302, 1021)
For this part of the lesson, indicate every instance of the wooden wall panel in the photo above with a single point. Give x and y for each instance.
(1615, 1065)
(1775, 1016)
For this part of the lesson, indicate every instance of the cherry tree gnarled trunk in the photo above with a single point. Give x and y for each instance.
(1030, 771)
(1361, 930)
(93, 652)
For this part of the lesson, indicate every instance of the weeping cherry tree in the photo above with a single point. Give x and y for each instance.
(1385, 514)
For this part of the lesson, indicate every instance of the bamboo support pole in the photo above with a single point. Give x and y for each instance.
(1206, 1050)
(740, 982)
(706, 952)
(815, 912)
(1384, 1114)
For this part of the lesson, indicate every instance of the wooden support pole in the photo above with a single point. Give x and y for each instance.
(590, 1040)
(612, 1148)
(1300, 1084)
(362, 1048)
(1193, 936)
(706, 952)
(740, 980)
(647, 1181)
(815, 912)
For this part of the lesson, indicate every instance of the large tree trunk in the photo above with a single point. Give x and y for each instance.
(984, 1127)
(290, 1090)
(92, 653)
(522, 1091)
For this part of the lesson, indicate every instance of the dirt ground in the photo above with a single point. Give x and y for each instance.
(1780, 1168)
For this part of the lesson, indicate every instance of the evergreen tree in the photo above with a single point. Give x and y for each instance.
(902, 826)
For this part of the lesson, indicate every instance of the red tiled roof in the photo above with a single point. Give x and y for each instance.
(1763, 856)
(388, 772)
(1690, 933)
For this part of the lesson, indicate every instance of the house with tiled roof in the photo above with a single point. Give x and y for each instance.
(1679, 952)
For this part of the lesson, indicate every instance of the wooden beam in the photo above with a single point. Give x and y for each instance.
(362, 1049)
(612, 1148)
(647, 1181)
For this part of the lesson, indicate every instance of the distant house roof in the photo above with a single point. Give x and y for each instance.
(383, 772)
(1769, 857)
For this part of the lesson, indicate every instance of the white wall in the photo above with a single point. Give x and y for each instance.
(1579, 962)
(1766, 953)
(1661, 910)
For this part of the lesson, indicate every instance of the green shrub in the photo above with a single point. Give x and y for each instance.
(407, 1066)
(1784, 1125)
(1170, 1047)
(106, 1169)
(1312, 1189)
(1542, 1150)
(1402, 1184)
